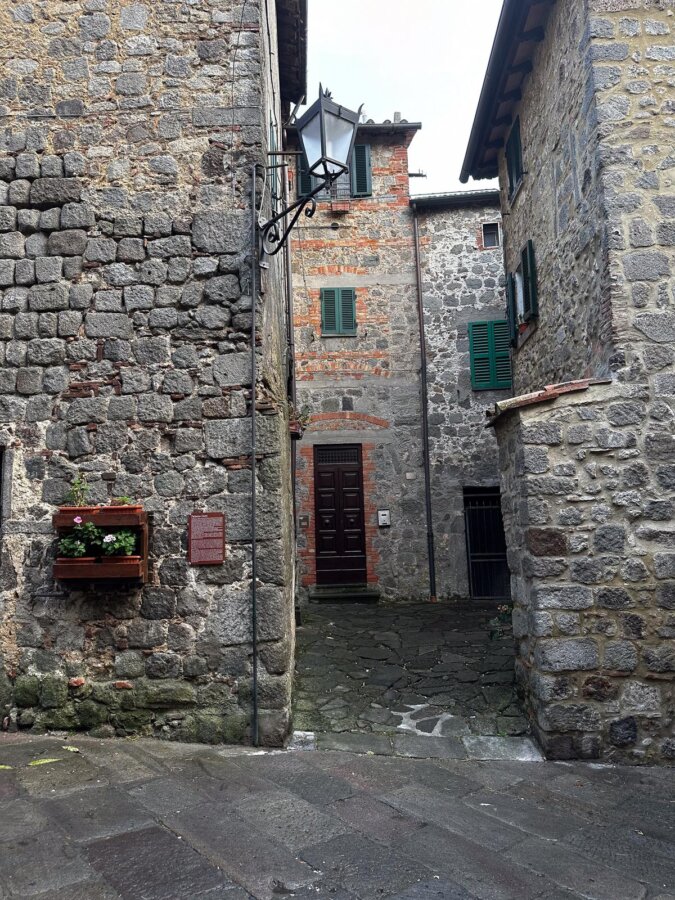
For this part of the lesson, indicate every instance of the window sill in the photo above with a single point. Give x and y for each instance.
(526, 333)
(340, 334)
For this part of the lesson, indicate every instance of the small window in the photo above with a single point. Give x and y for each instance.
(338, 311)
(490, 355)
(490, 235)
(357, 182)
(514, 158)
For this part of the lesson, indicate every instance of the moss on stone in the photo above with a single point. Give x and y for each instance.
(53, 692)
(91, 714)
(163, 694)
(27, 690)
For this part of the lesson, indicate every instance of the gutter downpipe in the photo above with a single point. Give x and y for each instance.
(425, 415)
(291, 353)
(254, 377)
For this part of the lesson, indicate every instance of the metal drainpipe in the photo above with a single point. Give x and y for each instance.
(254, 375)
(425, 416)
(291, 353)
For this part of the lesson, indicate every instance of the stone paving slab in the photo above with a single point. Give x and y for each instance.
(425, 746)
(230, 823)
(426, 670)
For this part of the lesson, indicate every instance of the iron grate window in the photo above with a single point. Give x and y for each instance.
(333, 455)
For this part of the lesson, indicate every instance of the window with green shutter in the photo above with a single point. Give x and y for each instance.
(357, 182)
(529, 270)
(490, 355)
(362, 185)
(514, 158)
(338, 311)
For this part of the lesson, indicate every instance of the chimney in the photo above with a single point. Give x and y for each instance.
(397, 117)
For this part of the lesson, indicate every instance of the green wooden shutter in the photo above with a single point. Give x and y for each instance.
(511, 311)
(362, 185)
(304, 178)
(347, 310)
(490, 356)
(479, 353)
(530, 282)
(338, 311)
(502, 355)
(329, 311)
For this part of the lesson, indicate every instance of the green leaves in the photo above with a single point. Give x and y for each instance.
(87, 539)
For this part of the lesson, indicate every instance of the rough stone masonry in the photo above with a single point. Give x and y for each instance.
(589, 478)
(127, 137)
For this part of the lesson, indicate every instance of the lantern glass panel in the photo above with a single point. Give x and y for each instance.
(311, 142)
(339, 134)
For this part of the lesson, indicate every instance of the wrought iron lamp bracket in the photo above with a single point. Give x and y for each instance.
(272, 238)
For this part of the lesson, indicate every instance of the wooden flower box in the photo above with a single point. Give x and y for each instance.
(103, 516)
(105, 568)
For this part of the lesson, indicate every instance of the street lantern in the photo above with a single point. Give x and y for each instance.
(327, 134)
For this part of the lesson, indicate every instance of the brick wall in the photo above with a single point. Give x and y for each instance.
(365, 389)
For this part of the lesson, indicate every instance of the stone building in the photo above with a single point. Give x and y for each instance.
(360, 477)
(587, 450)
(468, 368)
(129, 133)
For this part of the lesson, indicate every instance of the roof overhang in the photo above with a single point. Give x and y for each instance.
(292, 40)
(521, 27)
(455, 199)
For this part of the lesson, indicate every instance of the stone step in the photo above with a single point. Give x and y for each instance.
(344, 593)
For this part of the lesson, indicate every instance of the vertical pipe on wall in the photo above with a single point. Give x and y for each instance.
(291, 349)
(425, 415)
(254, 376)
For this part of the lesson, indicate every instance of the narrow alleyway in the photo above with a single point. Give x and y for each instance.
(441, 671)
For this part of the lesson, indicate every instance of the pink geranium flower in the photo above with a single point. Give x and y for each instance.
(77, 520)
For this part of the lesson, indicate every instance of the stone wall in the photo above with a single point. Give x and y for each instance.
(557, 207)
(589, 529)
(613, 298)
(365, 389)
(462, 282)
(128, 136)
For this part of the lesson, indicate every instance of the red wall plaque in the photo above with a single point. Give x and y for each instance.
(206, 539)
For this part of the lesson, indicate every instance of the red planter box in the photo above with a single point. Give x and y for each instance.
(106, 568)
(104, 516)
(87, 568)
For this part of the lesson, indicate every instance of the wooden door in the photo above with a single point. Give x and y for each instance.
(340, 532)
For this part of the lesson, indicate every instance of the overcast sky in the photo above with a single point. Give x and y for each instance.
(423, 58)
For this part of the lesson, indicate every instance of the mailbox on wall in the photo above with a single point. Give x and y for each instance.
(383, 518)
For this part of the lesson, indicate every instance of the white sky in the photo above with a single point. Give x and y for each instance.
(424, 58)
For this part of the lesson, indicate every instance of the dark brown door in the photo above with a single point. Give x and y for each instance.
(340, 534)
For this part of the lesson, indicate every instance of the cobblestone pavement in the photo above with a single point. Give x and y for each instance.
(149, 820)
(427, 670)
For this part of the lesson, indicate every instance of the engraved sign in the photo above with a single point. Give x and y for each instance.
(206, 539)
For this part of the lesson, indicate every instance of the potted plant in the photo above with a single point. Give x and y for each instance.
(100, 542)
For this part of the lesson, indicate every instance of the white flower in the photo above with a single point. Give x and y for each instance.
(109, 538)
